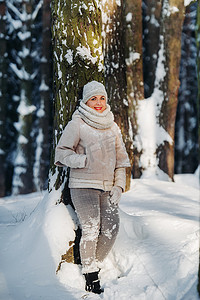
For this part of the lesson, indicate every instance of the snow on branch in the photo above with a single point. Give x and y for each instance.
(35, 13)
(24, 109)
(188, 2)
(16, 24)
(14, 10)
(25, 16)
(22, 73)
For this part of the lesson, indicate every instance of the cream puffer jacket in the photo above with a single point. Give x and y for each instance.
(97, 158)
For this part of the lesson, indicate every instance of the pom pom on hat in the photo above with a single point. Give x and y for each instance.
(93, 88)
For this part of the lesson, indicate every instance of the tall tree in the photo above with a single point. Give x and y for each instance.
(3, 94)
(151, 30)
(134, 73)
(186, 133)
(198, 68)
(44, 113)
(23, 172)
(115, 68)
(170, 48)
(77, 55)
(159, 110)
(23, 67)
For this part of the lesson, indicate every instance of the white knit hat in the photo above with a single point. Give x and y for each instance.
(93, 88)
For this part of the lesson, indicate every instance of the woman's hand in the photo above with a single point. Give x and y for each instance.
(115, 194)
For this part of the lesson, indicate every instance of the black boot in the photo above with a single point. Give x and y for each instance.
(93, 283)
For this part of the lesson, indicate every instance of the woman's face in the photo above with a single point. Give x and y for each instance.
(97, 103)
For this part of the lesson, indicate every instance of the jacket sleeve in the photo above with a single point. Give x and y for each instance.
(120, 178)
(122, 160)
(65, 153)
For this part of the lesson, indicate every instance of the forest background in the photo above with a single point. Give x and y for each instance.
(142, 50)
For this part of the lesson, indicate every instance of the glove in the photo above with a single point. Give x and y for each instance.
(115, 194)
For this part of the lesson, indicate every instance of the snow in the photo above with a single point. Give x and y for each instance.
(69, 56)
(22, 139)
(24, 109)
(43, 86)
(37, 162)
(155, 255)
(187, 2)
(24, 35)
(150, 135)
(129, 17)
(86, 53)
(132, 57)
(174, 9)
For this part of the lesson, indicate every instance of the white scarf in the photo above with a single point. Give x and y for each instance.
(95, 119)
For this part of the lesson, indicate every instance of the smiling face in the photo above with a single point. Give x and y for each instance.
(97, 103)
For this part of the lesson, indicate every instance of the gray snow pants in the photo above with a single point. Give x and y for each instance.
(99, 220)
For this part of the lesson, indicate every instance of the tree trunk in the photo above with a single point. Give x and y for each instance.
(115, 70)
(23, 166)
(44, 113)
(134, 72)
(151, 30)
(186, 131)
(198, 100)
(77, 48)
(3, 95)
(198, 69)
(168, 85)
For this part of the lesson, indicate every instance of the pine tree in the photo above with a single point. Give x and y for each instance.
(23, 66)
(44, 113)
(23, 176)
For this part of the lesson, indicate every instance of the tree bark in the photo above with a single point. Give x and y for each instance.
(3, 95)
(77, 54)
(23, 166)
(45, 111)
(170, 40)
(151, 30)
(198, 70)
(115, 70)
(186, 129)
(134, 72)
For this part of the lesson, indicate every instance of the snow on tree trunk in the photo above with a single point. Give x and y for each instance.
(115, 70)
(77, 54)
(78, 58)
(23, 165)
(44, 112)
(3, 94)
(159, 111)
(168, 85)
(134, 72)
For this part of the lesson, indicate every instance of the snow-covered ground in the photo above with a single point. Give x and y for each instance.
(155, 256)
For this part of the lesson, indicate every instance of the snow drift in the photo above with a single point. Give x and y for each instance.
(155, 255)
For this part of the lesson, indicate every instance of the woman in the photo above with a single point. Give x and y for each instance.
(91, 145)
